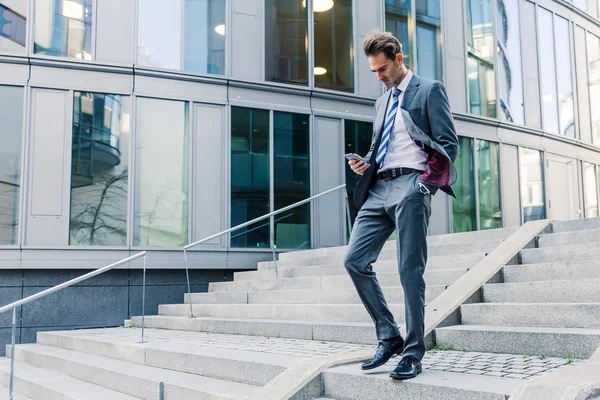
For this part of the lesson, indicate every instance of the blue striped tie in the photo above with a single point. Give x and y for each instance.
(388, 128)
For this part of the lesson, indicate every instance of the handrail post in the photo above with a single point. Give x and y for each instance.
(12, 353)
(187, 275)
(143, 299)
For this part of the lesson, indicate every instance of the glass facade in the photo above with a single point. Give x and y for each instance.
(162, 173)
(480, 46)
(63, 28)
(510, 72)
(250, 176)
(593, 50)
(566, 107)
(397, 18)
(464, 207)
(13, 26)
(429, 39)
(357, 140)
(291, 176)
(188, 35)
(533, 198)
(334, 45)
(99, 169)
(286, 42)
(11, 134)
(548, 78)
(488, 178)
(590, 190)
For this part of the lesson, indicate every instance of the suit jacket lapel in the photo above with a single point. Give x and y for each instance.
(411, 90)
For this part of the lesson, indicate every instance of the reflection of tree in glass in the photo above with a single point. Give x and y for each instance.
(165, 224)
(99, 215)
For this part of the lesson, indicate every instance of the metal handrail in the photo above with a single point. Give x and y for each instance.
(235, 228)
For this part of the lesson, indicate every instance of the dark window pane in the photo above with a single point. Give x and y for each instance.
(334, 63)
(532, 185)
(488, 175)
(64, 28)
(291, 174)
(463, 206)
(99, 169)
(397, 13)
(286, 39)
(357, 140)
(11, 134)
(250, 178)
(13, 26)
(509, 62)
(429, 35)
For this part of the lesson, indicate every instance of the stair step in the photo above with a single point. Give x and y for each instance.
(4, 395)
(543, 291)
(554, 315)
(350, 383)
(347, 332)
(590, 236)
(433, 263)
(435, 277)
(435, 247)
(572, 252)
(39, 383)
(393, 294)
(140, 381)
(569, 270)
(575, 225)
(294, 312)
(536, 341)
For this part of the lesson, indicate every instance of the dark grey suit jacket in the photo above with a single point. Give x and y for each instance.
(428, 119)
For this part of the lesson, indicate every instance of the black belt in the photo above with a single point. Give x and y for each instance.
(396, 172)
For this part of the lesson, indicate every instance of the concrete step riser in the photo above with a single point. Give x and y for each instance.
(556, 315)
(552, 271)
(433, 263)
(288, 312)
(198, 364)
(543, 292)
(591, 236)
(433, 249)
(560, 254)
(576, 225)
(33, 390)
(533, 344)
(330, 332)
(345, 296)
(439, 277)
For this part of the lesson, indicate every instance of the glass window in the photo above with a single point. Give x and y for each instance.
(188, 35)
(463, 206)
(11, 134)
(291, 175)
(488, 174)
(63, 28)
(565, 82)
(99, 169)
(590, 190)
(533, 198)
(581, 4)
(250, 176)
(429, 38)
(593, 44)
(480, 44)
(358, 140)
(334, 47)
(397, 17)
(548, 70)
(286, 38)
(509, 62)
(162, 173)
(13, 26)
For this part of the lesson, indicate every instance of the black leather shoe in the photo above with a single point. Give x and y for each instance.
(407, 368)
(384, 352)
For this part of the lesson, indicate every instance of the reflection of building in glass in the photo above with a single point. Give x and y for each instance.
(532, 185)
(13, 25)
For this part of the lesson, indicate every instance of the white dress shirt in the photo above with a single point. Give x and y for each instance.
(402, 150)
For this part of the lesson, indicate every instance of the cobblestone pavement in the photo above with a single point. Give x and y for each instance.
(475, 363)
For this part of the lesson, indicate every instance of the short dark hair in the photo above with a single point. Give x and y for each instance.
(377, 42)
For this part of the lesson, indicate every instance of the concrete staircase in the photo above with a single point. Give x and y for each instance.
(247, 332)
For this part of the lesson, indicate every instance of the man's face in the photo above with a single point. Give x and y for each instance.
(388, 72)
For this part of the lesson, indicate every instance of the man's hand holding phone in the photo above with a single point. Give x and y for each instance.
(357, 163)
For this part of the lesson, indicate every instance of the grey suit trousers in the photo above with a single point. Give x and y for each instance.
(393, 204)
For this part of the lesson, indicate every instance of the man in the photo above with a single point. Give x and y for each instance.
(412, 152)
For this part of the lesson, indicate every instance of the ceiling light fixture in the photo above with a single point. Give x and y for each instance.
(320, 71)
(320, 5)
(220, 29)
